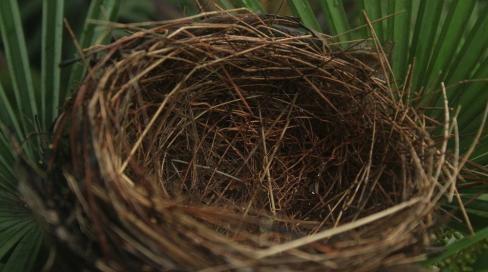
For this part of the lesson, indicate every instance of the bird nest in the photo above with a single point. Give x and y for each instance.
(232, 141)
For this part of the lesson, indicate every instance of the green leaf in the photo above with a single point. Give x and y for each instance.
(426, 27)
(26, 252)
(336, 17)
(9, 224)
(478, 206)
(475, 206)
(477, 222)
(459, 246)
(8, 186)
(18, 63)
(481, 154)
(254, 5)
(8, 116)
(387, 8)
(481, 264)
(373, 11)
(226, 4)
(306, 14)
(103, 10)
(447, 43)
(52, 38)
(477, 210)
(470, 54)
(20, 234)
(8, 182)
(11, 236)
(401, 38)
(472, 92)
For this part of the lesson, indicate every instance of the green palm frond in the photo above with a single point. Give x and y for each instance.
(21, 236)
(27, 114)
(447, 42)
(104, 10)
(226, 4)
(401, 38)
(462, 252)
(254, 5)
(52, 33)
(336, 17)
(306, 14)
(18, 64)
(18, 232)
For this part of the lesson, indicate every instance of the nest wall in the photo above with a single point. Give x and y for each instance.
(237, 141)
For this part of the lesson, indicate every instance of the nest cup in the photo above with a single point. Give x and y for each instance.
(232, 141)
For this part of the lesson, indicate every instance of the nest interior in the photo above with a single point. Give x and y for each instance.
(231, 140)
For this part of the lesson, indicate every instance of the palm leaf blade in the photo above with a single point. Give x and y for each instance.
(102, 10)
(336, 17)
(17, 59)
(306, 14)
(448, 40)
(25, 253)
(424, 36)
(253, 5)
(401, 33)
(373, 11)
(459, 246)
(226, 4)
(475, 91)
(52, 29)
(469, 55)
(8, 116)
(12, 235)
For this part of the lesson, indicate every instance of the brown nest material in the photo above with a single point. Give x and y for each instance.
(243, 142)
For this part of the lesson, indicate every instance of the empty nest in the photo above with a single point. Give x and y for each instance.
(232, 141)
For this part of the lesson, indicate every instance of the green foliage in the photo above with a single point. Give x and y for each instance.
(52, 33)
(461, 252)
(226, 4)
(305, 12)
(27, 115)
(445, 41)
(103, 10)
(25, 106)
(254, 5)
(336, 17)
(400, 36)
(20, 237)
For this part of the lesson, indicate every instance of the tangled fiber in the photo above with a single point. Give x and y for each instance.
(232, 141)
